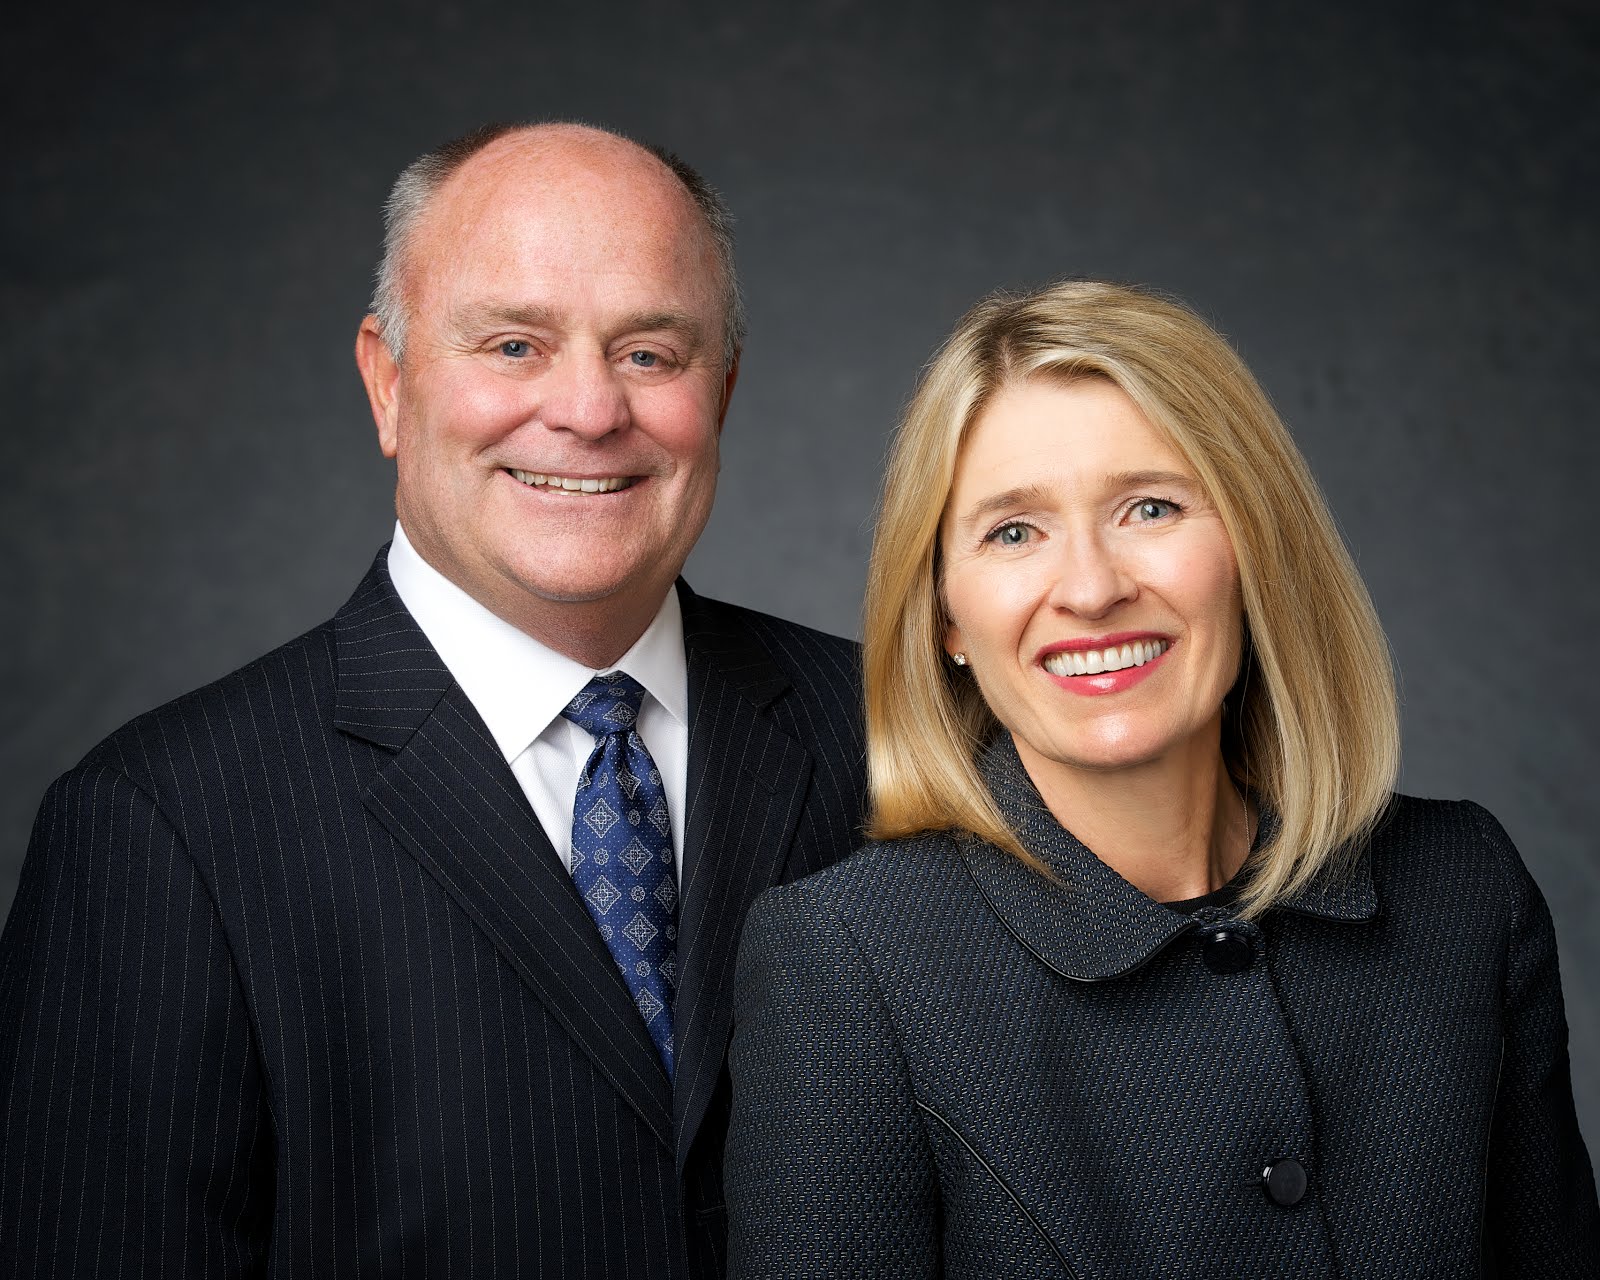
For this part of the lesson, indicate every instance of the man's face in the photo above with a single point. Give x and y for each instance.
(556, 414)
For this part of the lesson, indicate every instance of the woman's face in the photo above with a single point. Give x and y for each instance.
(1090, 584)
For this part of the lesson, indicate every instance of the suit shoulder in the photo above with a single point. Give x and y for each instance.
(795, 647)
(246, 702)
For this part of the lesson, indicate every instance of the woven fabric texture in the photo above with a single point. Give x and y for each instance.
(945, 1064)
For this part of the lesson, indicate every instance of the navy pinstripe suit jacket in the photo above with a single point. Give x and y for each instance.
(295, 984)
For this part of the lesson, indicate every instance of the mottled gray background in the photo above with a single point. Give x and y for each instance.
(1393, 216)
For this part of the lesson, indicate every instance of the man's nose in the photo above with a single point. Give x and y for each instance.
(1091, 577)
(584, 394)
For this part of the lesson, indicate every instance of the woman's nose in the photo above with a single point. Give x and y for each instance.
(1091, 579)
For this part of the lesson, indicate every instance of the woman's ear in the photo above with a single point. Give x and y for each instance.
(953, 645)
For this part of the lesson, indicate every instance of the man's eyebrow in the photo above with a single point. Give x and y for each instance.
(655, 321)
(478, 317)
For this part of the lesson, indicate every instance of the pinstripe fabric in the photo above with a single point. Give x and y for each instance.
(945, 1064)
(295, 985)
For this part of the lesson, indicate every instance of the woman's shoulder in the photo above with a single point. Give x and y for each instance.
(880, 888)
(1452, 851)
(1444, 830)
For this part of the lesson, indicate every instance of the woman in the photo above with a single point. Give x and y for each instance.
(1148, 972)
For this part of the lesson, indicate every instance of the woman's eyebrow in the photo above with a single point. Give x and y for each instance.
(1147, 479)
(1038, 495)
(1027, 495)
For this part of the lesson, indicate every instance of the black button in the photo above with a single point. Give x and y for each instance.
(1227, 951)
(1285, 1182)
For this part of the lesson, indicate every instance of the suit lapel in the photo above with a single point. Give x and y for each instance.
(747, 783)
(450, 800)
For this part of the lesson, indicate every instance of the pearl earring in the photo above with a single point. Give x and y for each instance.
(960, 659)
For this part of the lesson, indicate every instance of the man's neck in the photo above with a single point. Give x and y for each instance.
(593, 633)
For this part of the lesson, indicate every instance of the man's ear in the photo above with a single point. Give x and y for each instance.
(382, 376)
(728, 379)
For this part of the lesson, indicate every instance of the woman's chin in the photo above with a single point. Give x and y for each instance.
(1095, 755)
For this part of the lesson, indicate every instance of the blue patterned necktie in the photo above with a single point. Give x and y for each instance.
(622, 850)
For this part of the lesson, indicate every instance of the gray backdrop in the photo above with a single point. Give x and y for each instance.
(1393, 216)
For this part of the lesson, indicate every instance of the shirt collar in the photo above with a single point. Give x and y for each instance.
(517, 684)
(1088, 923)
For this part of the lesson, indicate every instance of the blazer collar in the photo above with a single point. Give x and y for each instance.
(389, 677)
(1089, 924)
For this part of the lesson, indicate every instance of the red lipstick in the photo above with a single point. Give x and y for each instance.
(1100, 683)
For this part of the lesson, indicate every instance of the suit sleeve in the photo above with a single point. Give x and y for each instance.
(1541, 1217)
(828, 1167)
(133, 1136)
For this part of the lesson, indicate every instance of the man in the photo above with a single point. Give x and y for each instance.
(407, 948)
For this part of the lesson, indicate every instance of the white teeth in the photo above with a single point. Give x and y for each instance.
(1089, 662)
(568, 484)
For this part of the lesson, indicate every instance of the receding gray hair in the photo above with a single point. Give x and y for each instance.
(422, 178)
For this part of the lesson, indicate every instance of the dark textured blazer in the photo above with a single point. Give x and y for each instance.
(295, 984)
(946, 1064)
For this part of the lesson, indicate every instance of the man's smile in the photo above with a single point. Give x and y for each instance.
(572, 484)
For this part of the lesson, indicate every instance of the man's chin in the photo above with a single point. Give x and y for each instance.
(581, 585)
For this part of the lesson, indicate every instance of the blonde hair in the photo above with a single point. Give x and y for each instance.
(1311, 725)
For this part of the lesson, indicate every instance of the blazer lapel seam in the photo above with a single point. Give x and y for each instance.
(1000, 1182)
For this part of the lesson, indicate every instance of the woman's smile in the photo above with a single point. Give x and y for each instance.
(1104, 665)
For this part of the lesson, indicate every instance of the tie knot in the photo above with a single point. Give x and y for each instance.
(607, 704)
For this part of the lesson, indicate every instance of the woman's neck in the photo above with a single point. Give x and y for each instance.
(1174, 828)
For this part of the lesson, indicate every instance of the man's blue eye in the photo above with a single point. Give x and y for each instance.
(645, 359)
(515, 348)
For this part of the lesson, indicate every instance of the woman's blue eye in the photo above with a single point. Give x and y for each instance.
(515, 348)
(1154, 508)
(1011, 535)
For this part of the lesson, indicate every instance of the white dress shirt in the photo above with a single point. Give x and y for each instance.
(519, 687)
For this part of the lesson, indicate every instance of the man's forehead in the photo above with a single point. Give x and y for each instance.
(562, 169)
(566, 197)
